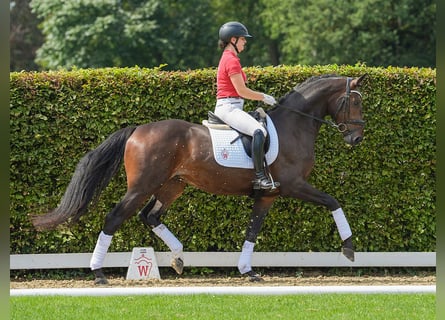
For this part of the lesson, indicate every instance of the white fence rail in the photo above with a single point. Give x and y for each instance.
(230, 259)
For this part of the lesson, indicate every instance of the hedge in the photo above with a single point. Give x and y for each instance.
(386, 185)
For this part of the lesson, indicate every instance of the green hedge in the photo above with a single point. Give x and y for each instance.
(386, 185)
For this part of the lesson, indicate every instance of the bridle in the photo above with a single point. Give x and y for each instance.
(343, 105)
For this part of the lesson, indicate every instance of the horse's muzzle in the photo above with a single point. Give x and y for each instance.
(353, 140)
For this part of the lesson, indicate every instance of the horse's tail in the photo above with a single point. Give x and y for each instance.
(93, 173)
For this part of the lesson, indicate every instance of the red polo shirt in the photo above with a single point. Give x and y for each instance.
(229, 64)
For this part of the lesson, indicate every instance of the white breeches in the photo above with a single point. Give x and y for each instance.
(230, 110)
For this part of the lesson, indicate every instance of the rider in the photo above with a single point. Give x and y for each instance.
(231, 92)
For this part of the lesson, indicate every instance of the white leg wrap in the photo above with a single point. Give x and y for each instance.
(244, 262)
(102, 245)
(342, 224)
(169, 239)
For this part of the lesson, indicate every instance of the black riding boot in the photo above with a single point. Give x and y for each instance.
(261, 180)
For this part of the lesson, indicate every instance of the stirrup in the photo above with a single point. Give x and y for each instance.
(264, 184)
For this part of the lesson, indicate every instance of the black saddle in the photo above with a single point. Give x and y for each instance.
(245, 139)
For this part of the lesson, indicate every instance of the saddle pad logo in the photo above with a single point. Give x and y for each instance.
(225, 154)
(233, 155)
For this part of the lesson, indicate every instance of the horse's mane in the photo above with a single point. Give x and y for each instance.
(305, 83)
(313, 79)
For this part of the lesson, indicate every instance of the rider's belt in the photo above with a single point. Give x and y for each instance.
(230, 98)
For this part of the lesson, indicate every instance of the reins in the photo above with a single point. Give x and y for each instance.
(343, 101)
(328, 122)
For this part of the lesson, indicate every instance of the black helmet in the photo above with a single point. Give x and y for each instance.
(233, 29)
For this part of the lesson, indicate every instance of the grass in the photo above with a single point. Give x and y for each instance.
(207, 306)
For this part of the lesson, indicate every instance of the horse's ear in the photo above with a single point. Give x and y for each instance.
(356, 82)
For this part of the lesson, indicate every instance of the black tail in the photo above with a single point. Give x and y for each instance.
(93, 173)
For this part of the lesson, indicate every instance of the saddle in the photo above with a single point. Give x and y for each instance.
(215, 122)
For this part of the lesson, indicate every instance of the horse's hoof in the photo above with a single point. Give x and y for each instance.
(100, 281)
(348, 253)
(348, 249)
(100, 277)
(253, 276)
(178, 265)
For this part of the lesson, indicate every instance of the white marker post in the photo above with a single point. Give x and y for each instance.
(143, 265)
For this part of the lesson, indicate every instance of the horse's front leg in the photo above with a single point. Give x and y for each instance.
(307, 192)
(261, 207)
(345, 233)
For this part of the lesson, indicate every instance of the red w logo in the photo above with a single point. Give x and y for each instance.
(144, 270)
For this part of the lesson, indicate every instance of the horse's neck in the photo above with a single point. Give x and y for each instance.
(306, 105)
(318, 96)
(294, 126)
(312, 103)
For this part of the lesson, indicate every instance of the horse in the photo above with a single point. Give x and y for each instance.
(161, 158)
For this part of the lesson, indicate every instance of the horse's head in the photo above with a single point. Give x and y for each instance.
(347, 112)
(329, 94)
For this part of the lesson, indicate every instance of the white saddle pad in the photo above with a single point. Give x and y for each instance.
(233, 155)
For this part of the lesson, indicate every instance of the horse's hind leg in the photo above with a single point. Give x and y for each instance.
(122, 211)
(151, 217)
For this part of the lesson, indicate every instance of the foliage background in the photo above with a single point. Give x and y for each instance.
(48, 34)
(386, 185)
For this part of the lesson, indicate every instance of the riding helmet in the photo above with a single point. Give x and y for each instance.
(233, 29)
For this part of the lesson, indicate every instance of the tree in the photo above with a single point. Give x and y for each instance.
(24, 36)
(184, 34)
(377, 32)
(398, 33)
(97, 33)
(261, 49)
(189, 31)
(105, 33)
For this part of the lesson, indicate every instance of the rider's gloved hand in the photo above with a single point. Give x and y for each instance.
(269, 99)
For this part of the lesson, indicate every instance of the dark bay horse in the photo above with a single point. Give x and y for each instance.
(161, 158)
